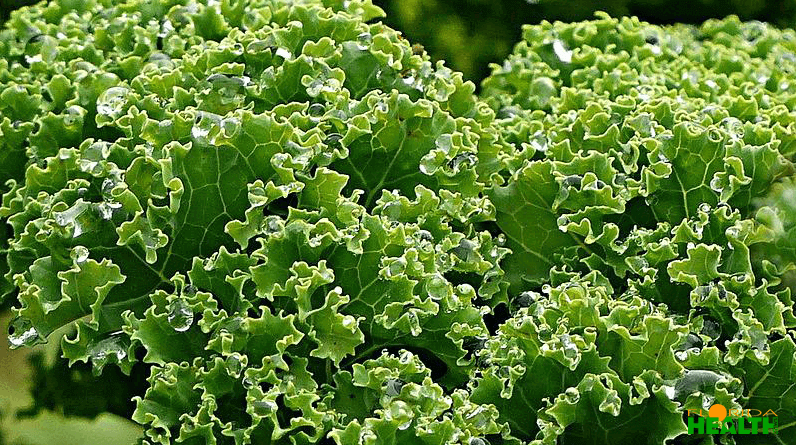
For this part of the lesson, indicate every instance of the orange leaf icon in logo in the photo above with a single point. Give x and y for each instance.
(718, 411)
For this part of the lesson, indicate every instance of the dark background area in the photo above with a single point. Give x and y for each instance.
(6, 6)
(471, 34)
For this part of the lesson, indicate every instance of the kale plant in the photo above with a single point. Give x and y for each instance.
(310, 234)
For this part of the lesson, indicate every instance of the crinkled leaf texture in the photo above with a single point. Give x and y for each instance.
(310, 234)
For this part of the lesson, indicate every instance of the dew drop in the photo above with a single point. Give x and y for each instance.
(264, 407)
(202, 127)
(393, 387)
(166, 28)
(106, 209)
(229, 127)
(424, 235)
(527, 298)
(573, 181)
(405, 357)
(437, 286)
(180, 316)
(691, 341)
(76, 216)
(21, 332)
(570, 349)
(507, 112)
(734, 127)
(444, 143)
(364, 40)
(316, 110)
(234, 364)
(463, 161)
(73, 116)
(711, 328)
(248, 383)
(572, 395)
(478, 417)
(539, 141)
(392, 210)
(428, 164)
(112, 346)
(273, 224)
(79, 254)
(90, 167)
(465, 251)
(107, 187)
(562, 222)
(669, 391)
(465, 289)
(396, 268)
(348, 321)
(333, 140)
(732, 232)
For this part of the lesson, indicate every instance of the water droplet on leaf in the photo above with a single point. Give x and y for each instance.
(21, 332)
(264, 407)
(180, 316)
(465, 250)
(112, 346)
(393, 387)
(538, 141)
(396, 268)
(392, 210)
(364, 41)
(234, 365)
(80, 254)
(316, 110)
(273, 224)
(463, 161)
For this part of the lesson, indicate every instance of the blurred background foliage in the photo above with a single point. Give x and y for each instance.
(469, 35)
(37, 408)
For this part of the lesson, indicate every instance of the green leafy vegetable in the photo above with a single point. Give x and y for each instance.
(307, 233)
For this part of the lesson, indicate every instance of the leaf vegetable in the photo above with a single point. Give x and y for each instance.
(311, 234)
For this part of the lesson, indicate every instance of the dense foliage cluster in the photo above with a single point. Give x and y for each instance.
(656, 164)
(309, 233)
(470, 34)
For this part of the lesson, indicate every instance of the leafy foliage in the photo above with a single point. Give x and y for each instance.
(654, 162)
(308, 233)
(471, 34)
